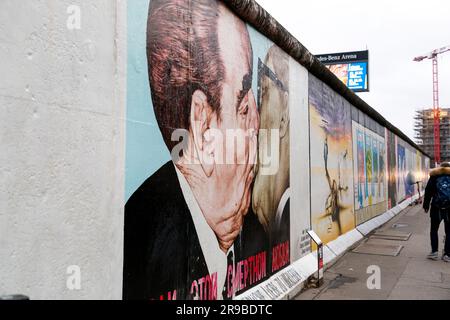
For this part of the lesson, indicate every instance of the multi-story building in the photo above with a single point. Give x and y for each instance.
(424, 129)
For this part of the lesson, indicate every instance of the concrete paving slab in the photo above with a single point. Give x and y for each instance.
(418, 291)
(426, 270)
(378, 249)
(391, 235)
(355, 266)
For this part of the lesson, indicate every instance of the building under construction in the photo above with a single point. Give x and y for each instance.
(424, 129)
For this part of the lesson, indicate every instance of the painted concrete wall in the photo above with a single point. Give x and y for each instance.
(63, 101)
(62, 148)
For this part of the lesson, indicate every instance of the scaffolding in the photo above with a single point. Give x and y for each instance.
(424, 132)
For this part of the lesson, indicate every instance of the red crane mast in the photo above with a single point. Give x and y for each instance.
(436, 109)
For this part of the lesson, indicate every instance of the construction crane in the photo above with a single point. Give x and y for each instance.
(436, 110)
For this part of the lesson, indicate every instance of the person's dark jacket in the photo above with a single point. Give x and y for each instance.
(162, 251)
(430, 190)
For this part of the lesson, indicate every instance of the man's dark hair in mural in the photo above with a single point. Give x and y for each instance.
(183, 56)
(184, 226)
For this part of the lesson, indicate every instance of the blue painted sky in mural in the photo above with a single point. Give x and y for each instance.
(145, 149)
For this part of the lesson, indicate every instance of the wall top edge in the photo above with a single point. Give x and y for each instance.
(251, 12)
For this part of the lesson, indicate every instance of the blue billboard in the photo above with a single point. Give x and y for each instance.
(350, 67)
(357, 76)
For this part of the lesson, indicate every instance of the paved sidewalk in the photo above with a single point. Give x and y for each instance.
(407, 276)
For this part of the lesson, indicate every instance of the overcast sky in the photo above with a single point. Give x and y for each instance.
(394, 32)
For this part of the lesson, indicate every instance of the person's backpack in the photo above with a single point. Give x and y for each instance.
(442, 197)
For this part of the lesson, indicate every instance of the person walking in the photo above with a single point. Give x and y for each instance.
(437, 201)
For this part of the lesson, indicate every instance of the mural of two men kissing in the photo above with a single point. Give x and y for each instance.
(212, 221)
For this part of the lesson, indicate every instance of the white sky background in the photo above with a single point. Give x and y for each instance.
(394, 32)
